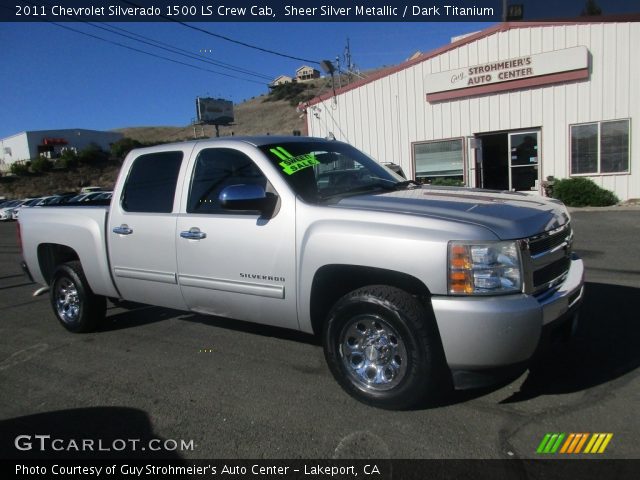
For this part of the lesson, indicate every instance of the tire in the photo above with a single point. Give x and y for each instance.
(384, 349)
(77, 308)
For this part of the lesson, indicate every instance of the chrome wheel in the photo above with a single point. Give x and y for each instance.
(373, 353)
(67, 301)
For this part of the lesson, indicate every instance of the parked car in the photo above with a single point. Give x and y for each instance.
(91, 189)
(46, 200)
(6, 211)
(104, 196)
(410, 288)
(28, 203)
(61, 199)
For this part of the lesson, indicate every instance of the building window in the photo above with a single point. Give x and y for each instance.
(440, 160)
(600, 148)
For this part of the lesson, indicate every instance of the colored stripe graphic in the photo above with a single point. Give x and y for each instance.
(574, 443)
(598, 442)
(551, 443)
(543, 443)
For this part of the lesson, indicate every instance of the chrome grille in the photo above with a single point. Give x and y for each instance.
(543, 243)
(547, 259)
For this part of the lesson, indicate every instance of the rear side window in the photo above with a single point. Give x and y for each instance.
(151, 184)
(215, 169)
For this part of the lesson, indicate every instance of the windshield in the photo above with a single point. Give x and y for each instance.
(327, 171)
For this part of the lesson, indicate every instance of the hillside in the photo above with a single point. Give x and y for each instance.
(258, 116)
(273, 113)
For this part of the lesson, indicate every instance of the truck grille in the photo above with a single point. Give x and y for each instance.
(549, 258)
(551, 272)
(540, 244)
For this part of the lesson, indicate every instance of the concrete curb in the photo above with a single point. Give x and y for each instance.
(614, 208)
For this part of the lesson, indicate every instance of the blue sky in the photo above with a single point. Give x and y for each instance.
(56, 78)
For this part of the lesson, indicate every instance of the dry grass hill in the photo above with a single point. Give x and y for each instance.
(265, 114)
(273, 113)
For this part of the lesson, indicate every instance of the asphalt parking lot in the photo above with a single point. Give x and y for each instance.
(244, 391)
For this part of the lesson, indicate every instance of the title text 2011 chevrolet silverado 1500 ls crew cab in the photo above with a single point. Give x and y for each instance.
(409, 287)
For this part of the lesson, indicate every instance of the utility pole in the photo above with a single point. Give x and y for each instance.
(347, 59)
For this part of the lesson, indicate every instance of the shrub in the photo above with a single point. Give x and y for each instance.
(447, 182)
(92, 153)
(41, 165)
(20, 168)
(123, 146)
(68, 159)
(582, 192)
(293, 92)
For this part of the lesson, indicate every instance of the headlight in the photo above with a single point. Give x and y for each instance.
(484, 268)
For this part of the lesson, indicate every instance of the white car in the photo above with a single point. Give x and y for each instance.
(28, 202)
(6, 212)
(85, 197)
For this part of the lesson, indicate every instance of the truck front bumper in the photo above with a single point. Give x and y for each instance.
(488, 338)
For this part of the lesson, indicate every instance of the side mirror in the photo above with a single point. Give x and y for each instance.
(246, 197)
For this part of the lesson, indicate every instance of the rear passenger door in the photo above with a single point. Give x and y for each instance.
(141, 236)
(243, 264)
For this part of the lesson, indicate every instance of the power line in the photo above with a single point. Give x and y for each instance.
(184, 52)
(228, 39)
(174, 50)
(178, 51)
(153, 54)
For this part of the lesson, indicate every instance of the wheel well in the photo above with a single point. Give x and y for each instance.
(51, 255)
(334, 281)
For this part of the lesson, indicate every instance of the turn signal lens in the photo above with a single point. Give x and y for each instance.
(460, 283)
(460, 257)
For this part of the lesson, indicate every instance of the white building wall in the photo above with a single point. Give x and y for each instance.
(385, 116)
(12, 149)
(24, 146)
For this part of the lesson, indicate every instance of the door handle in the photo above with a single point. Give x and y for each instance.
(193, 233)
(123, 229)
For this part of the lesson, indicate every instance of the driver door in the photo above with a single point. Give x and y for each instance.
(233, 263)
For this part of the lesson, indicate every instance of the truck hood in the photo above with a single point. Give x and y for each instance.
(509, 215)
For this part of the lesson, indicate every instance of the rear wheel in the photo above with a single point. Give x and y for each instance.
(77, 308)
(383, 349)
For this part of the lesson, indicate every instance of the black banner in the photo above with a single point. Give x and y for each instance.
(250, 10)
(329, 469)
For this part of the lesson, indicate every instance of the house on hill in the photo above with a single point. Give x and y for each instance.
(306, 73)
(281, 80)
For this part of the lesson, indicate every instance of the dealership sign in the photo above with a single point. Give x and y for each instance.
(507, 74)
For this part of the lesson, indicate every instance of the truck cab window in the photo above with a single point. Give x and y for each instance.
(151, 184)
(215, 169)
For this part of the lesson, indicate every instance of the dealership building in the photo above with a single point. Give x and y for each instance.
(505, 108)
(49, 143)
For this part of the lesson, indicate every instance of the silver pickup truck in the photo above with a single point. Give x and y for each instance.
(412, 289)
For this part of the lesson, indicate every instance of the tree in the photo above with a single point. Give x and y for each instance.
(92, 153)
(68, 159)
(122, 147)
(20, 168)
(41, 165)
(591, 8)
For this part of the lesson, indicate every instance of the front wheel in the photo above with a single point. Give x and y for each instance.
(77, 308)
(383, 348)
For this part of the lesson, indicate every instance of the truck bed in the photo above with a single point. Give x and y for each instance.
(81, 228)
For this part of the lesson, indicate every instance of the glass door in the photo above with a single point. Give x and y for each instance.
(523, 160)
